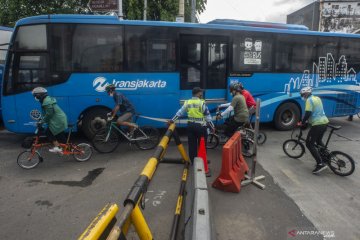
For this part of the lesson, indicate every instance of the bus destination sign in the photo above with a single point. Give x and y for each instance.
(103, 5)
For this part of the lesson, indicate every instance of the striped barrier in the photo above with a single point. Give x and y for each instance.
(131, 213)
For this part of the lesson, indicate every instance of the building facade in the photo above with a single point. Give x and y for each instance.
(329, 16)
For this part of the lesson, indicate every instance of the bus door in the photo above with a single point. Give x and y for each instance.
(204, 63)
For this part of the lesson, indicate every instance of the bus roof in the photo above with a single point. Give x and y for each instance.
(216, 24)
(258, 24)
(6, 29)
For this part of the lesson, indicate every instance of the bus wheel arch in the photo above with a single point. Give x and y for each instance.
(287, 115)
(93, 119)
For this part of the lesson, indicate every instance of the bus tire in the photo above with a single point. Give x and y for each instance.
(94, 120)
(286, 116)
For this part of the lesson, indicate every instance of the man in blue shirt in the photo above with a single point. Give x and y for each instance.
(123, 105)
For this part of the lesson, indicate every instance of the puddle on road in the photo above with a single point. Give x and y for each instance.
(85, 182)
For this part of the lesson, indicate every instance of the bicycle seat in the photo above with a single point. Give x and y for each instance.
(334, 127)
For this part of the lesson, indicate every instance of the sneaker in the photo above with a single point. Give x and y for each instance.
(319, 168)
(55, 150)
(130, 134)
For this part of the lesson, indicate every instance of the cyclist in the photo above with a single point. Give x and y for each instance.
(314, 113)
(249, 99)
(123, 105)
(198, 116)
(238, 105)
(53, 116)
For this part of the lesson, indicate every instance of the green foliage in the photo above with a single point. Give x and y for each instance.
(165, 10)
(13, 10)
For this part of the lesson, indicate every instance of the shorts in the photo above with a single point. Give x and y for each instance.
(58, 137)
(126, 117)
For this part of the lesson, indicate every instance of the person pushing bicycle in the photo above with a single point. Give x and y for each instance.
(123, 105)
(53, 116)
(315, 115)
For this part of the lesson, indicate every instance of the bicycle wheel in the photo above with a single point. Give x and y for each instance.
(146, 137)
(341, 163)
(28, 159)
(212, 141)
(82, 152)
(293, 148)
(247, 147)
(104, 142)
(261, 139)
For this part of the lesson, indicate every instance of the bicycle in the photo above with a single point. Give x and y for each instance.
(30, 158)
(217, 137)
(108, 139)
(336, 160)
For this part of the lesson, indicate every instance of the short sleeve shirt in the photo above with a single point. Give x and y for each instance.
(241, 113)
(314, 105)
(123, 102)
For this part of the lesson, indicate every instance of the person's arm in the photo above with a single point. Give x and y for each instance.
(306, 117)
(49, 113)
(227, 111)
(180, 112)
(308, 111)
(115, 110)
(224, 105)
(207, 116)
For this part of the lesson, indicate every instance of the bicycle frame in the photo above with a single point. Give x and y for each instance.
(300, 138)
(113, 125)
(67, 147)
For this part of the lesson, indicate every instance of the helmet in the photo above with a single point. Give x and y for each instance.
(305, 91)
(235, 86)
(110, 87)
(39, 91)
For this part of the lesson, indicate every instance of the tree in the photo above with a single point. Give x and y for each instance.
(165, 10)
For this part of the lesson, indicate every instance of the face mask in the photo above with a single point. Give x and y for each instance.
(303, 98)
(111, 94)
(36, 99)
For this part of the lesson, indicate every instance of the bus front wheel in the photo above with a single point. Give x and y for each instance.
(93, 121)
(286, 116)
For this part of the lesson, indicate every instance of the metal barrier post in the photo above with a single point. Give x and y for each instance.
(131, 213)
(251, 177)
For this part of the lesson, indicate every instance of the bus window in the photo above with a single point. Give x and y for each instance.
(252, 53)
(350, 49)
(295, 53)
(150, 49)
(216, 69)
(31, 38)
(75, 45)
(190, 61)
(29, 60)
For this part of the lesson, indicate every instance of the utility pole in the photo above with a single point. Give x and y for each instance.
(121, 15)
(145, 9)
(180, 17)
(193, 11)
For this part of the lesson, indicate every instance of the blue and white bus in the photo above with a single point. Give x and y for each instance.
(5, 35)
(156, 64)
